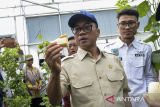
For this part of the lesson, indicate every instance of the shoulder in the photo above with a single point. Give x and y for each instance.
(145, 45)
(110, 44)
(112, 58)
(110, 55)
(68, 58)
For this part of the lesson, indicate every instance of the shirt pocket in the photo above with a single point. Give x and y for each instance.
(82, 90)
(116, 80)
(137, 68)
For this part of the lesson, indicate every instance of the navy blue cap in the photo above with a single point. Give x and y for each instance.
(83, 14)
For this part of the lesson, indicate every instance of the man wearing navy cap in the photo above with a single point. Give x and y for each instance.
(92, 77)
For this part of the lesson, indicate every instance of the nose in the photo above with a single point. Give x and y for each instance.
(81, 32)
(72, 47)
(127, 26)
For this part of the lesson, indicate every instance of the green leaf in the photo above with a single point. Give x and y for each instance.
(151, 38)
(122, 4)
(143, 8)
(148, 27)
(156, 59)
(40, 36)
(150, 23)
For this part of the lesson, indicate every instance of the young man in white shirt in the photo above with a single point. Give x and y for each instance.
(134, 55)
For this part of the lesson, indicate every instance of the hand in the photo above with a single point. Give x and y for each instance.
(151, 103)
(52, 57)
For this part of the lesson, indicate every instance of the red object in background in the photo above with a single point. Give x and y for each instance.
(66, 100)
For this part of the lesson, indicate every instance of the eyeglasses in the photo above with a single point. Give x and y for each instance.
(72, 45)
(86, 28)
(130, 24)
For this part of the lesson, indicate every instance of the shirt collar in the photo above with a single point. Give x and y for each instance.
(83, 53)
(134, 43)
(119, 43)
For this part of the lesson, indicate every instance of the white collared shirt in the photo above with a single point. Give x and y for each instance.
(136, 60)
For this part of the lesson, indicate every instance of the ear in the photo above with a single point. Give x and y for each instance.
(98, 32)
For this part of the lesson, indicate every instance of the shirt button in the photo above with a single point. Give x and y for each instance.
(100, 77)
(105, 94)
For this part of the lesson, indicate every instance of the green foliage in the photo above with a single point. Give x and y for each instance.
(46, 101)
(14, 79)
(150, 23)
(152, 38)
(47, 69)
(156, 59)
(40, 36)
(122, 4)
(18, 101)
(43, 46)
(143, 8)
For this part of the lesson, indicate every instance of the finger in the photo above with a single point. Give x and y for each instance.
(146, 98)
(52, 55)
(56, 57)
(53, 59)
(52, 49)
(51, 45)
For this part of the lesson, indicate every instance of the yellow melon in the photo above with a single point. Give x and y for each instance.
(154, 91)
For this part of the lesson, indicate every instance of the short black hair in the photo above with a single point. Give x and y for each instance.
(71, 38)
(128, 12)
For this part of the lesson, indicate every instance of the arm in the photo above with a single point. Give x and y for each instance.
(151, 103)
(127, 103)
(54, 90)
(126, 88)
(125, 92)
(149, 72)
(53, 60)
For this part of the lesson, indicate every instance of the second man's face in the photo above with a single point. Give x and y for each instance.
(72, 47)
(127, 26)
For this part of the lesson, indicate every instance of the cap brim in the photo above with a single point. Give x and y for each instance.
(75, 18)
(29, 59)
(158, 13)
